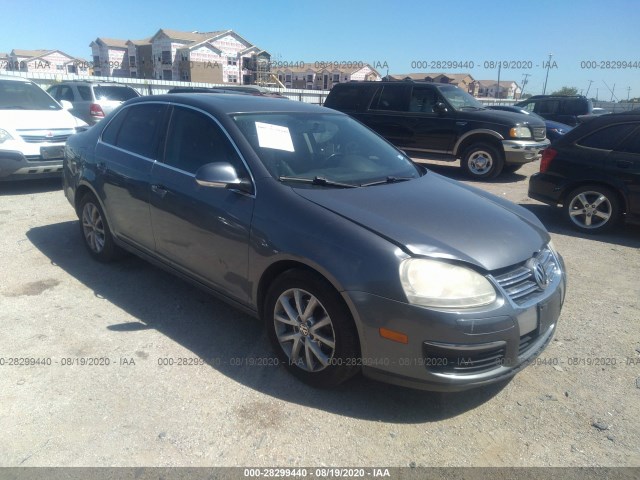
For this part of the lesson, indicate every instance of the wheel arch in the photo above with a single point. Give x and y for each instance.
(478, 136)
(281, 266)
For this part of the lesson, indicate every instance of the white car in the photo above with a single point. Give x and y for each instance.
(33, 130)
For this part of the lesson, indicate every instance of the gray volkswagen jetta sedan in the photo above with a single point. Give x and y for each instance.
(355, 258)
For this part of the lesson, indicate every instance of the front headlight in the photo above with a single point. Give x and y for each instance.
(432, 283)
(520, 132)
(5, 136)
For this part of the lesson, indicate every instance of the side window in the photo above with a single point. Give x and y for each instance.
(110, 133)
(195, 139)
(85, 93)
(65, 93)
(607, 138)
(529, 106)
(631, 144)
(139, 129)
(53, 91)
(422, 100)
(548, 107)
(390, 97)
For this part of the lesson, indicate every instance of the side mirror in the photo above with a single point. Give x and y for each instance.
(440, 107)
(66, 104)
(222, 175)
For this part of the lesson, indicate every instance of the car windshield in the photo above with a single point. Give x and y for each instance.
(25, 96)
(459, 99)
(323, 150)
(118, 94)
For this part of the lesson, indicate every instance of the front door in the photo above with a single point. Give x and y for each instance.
(203, 231)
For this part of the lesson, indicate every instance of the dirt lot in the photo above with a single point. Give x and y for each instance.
(580, 406)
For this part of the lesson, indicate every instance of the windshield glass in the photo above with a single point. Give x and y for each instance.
(24, 96)
(459, 99)
(326, 149)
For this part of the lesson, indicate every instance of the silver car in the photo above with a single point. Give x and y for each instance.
(92, 100)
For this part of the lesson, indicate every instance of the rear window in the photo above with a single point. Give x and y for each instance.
(117, 94)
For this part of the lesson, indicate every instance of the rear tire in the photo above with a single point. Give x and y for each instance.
(482, 161)
(311, 329)
(592, 208)
(95, 230)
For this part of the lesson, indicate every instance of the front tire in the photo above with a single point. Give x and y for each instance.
(95, 230)
(482, 161)
(592, 208)
(311, 329)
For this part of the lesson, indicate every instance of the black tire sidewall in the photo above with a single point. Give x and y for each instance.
(346, 360)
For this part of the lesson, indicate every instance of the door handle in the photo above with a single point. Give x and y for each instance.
(102, 167)
(159, 190)
(623, 164)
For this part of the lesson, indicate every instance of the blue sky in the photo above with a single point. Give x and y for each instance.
(398, 33)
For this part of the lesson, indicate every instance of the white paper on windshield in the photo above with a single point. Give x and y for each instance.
(274, 136)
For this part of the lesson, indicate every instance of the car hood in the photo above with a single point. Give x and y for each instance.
(38, 119)
(500, 116)
(437, 217)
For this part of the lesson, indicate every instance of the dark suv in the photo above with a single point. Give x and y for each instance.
(92, 100)
(594, 172)
(443, 122)
(566, 109)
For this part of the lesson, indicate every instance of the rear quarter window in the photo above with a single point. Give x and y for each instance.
(349, 98)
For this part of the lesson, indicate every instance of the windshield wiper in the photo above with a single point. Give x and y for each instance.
(390, 179)
(321, 181)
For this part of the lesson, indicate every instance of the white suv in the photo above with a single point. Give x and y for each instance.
(33, 130)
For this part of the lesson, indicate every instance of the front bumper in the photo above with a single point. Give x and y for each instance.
(518, 152)
(455, 350)
(15, 165)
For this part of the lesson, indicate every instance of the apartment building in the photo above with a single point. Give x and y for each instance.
(461, 80)
(323, 76)
(44, 61)
(508, 89)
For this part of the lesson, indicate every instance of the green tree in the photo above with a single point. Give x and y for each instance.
(566, 91)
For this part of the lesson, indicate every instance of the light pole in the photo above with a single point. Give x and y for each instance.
(544, 90)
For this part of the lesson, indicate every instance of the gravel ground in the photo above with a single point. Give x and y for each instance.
(579, 406)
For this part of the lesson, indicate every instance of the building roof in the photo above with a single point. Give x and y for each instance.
(193, 37)
(30, 53)
(144, 41)
(503, 83)
(112, 42)
(454, 78)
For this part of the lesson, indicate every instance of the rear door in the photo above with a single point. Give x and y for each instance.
(203, 231)
(125, 154)
(387, 113)
(624, 163)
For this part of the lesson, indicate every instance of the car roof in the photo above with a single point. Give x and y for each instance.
(598, 121)
(14, 79)
(233, 103)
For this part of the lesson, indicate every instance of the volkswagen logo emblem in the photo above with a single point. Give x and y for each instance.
(539, 273)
